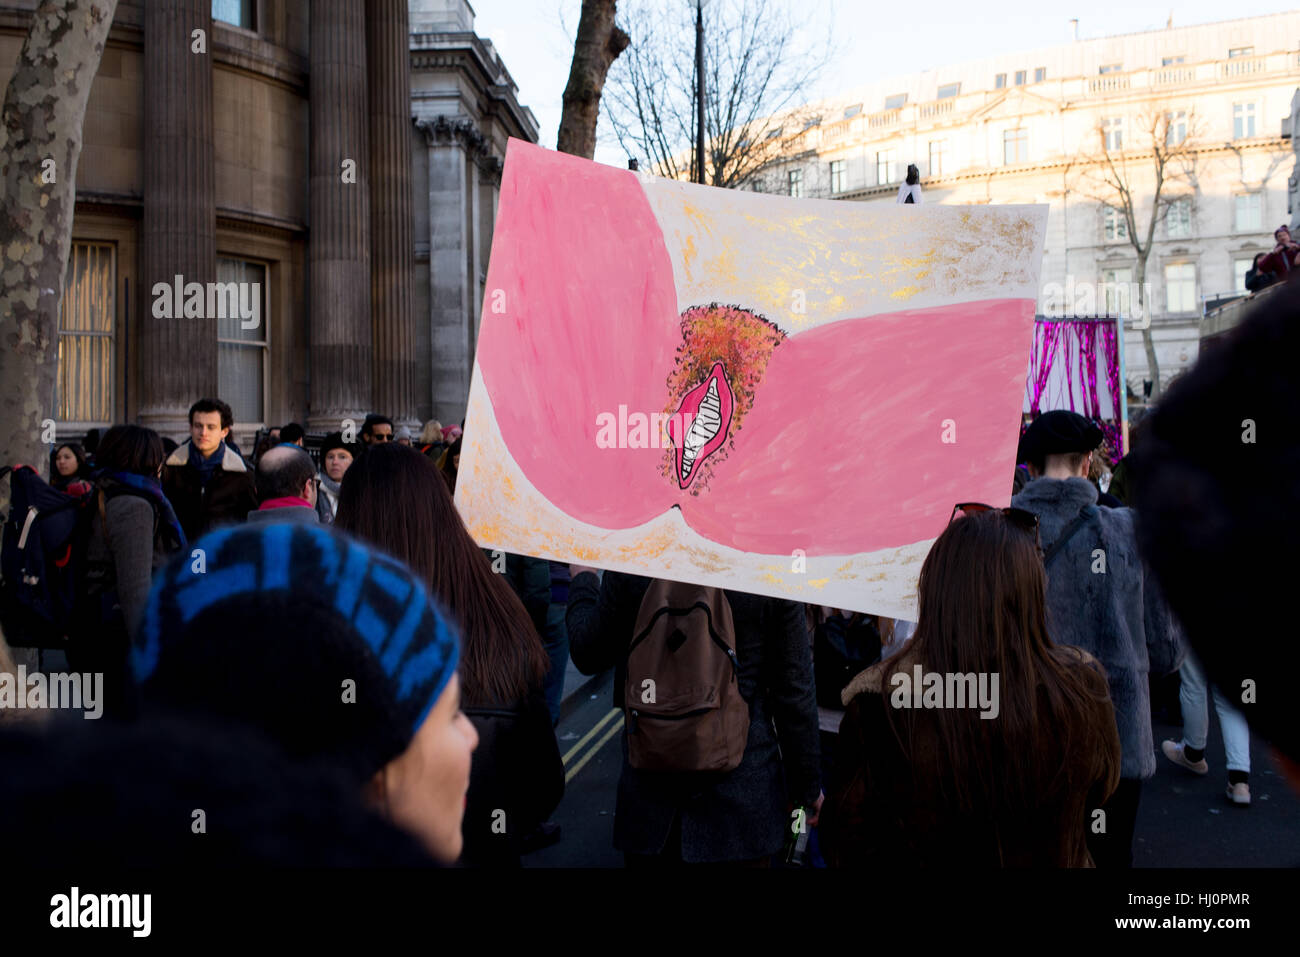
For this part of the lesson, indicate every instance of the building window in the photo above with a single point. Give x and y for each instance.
(1239, 269)
(1180, 287)
(1178, 219)
(241, 353)
(1115, 286)
(1173, 60)
(796, 182)
(896, 101)
(1240, 51)
(999, 81)
(238, 12)
(1114, 225)
(886, 160)
(1113, 132)
(1015, 146)
(1020, 77)
(937, 150)
(1248, 215)
(1110, 68)
(1040, 74)
(852, 111)
(950, 89)
(86, 311)
(1175, 128)
(837, 176)
(1243, 120)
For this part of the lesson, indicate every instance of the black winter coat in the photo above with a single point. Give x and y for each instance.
(740, 814)
(228, 497)
(515, 781)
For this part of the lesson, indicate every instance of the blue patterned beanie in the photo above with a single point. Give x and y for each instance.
(334, 650)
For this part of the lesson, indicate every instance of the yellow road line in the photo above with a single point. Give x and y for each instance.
(573, 771)
(590, 734)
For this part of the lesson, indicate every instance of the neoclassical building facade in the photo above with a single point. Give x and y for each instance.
(465, 108)
(336, 163)
(1033, 127)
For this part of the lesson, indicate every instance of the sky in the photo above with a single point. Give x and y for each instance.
(874, 40)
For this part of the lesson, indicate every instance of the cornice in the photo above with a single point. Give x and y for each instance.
(461, 131)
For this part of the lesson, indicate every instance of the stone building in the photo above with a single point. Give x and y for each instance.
(293, 165)
(1028, 128)
(465, 108)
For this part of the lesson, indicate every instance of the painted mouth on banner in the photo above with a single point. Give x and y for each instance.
(709, 406)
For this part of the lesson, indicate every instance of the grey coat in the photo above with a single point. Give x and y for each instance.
(1118, 615)
(126, 554)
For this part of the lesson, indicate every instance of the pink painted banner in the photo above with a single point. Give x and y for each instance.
(780, 396)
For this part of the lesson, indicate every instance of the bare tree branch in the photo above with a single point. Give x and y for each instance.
(757, 67)
(598, 44)
(1166, 147)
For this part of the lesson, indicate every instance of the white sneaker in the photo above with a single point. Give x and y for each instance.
(1174, 752)
(1239, 794)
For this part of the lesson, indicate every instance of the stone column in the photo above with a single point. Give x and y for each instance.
(339, 241)
(178, 355)
(449, 298)
(392, 258)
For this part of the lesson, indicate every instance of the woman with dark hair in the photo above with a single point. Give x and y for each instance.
(982, 743)
(68, 470)
(449, 463)
(394, 498)
(133, 531)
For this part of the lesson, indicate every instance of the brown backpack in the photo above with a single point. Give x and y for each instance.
(681, 699)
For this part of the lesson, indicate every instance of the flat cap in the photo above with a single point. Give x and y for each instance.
(1056, 433)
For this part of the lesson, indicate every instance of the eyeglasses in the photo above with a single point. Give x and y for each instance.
(380, 437)
(1023, 519)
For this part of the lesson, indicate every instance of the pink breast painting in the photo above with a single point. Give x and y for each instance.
(781, 396)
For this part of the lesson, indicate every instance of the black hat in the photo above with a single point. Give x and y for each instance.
(1058, 432)
(335, 441)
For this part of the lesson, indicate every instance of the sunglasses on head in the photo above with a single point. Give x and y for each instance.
(1023, 519)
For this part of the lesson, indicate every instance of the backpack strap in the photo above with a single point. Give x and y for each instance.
(1068, 533)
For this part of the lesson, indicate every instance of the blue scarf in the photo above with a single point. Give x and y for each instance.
(150, 489)
(207, 467)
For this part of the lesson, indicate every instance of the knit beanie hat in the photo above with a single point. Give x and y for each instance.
(333, 650)
(335, 441)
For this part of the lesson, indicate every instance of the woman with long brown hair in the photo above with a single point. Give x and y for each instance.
(394, 498)
(982, 743)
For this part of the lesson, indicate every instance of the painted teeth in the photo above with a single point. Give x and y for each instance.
(708, 419)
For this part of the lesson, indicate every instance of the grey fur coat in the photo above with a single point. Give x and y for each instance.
(1107, 603)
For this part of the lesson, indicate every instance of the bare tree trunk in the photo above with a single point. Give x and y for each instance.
(1153, 364)
(40, 143)
(598, 44)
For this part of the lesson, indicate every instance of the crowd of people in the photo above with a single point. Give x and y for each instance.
(1277, 265)
(338, 623)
